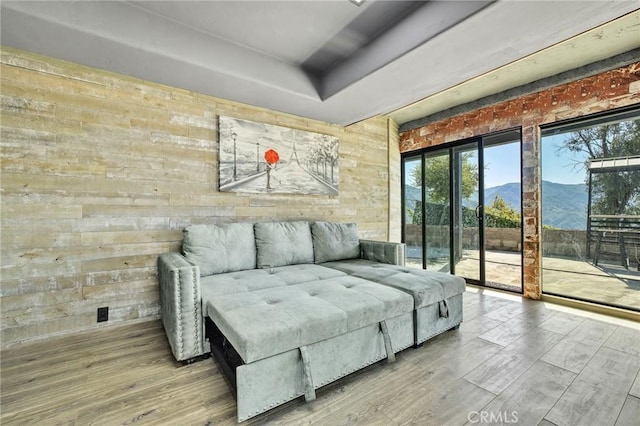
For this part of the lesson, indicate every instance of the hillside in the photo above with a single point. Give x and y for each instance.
(564, 206)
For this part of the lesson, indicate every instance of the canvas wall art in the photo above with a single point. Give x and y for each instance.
(264, 158)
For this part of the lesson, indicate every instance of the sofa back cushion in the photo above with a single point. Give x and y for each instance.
(335, 241)
(220, 248)
(283, 243)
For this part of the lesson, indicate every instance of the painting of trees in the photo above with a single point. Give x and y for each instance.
(322, 158)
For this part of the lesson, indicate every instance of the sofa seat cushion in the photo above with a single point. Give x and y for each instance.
(267, 322)
(355, 296)
(259, 279)
(426, 287)
(302, 273)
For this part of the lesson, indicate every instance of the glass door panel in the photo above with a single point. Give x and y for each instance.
(503, 211)
(412, 194)
(437, 211)
(591, 210)
(467, 212)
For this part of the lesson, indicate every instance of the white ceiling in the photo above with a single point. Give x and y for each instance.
(329, 60)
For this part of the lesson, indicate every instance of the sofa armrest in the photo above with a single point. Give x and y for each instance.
(181, 305)
(382, 251)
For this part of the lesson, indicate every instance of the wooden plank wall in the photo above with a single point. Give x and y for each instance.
(395, 184)
(101, 172)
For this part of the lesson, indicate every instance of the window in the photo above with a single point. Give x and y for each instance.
(591, 209)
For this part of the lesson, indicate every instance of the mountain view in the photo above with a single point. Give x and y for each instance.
(563, 206)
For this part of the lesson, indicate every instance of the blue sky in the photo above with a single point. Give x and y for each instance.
(502, 163)
(558, 166)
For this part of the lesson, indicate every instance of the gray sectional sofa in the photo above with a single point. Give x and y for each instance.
(288, 307)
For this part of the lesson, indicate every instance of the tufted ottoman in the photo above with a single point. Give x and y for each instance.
(298, 330)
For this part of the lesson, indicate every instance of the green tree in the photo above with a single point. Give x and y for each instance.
(437, 177)
(437, 187)
(415, 213)
(500, 215)
(613, 192)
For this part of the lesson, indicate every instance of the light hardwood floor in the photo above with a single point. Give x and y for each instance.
(513, 361)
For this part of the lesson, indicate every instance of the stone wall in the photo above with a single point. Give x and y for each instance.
(571, 244)
(101, 172)
(503, 239)
(602, 92)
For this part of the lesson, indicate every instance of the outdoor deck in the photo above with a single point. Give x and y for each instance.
(604, 283)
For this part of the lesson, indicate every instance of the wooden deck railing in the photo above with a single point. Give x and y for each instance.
(612, 234)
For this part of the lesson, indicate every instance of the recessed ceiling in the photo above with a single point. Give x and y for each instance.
(328, 60)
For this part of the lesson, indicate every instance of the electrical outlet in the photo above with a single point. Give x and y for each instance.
(103, 314)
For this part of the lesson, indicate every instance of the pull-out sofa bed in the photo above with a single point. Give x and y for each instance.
(287, 307)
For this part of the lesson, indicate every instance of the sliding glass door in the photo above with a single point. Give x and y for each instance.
(427, 218)
(412, 196)
(437, 228)
(467, 212)
(502, 183)
(463, 210)
(591, 209)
